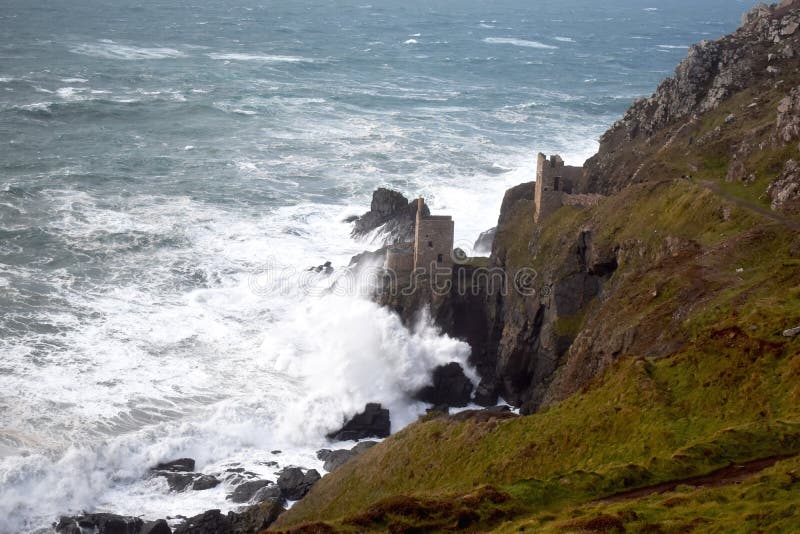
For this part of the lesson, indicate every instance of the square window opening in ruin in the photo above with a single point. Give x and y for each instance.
(439, 259)
(430, 244)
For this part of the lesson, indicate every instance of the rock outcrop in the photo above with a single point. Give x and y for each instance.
(294, 483)
(373, 422)
(246, 490)
(99, 523)
(450, 387)
(337, 458)
(252, 520)
(393, 213)
(785, 190)
(483, 245)
(710, 74)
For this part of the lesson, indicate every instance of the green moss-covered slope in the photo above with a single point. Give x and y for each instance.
(676, 368)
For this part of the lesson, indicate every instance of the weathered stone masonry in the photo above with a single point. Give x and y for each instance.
(433, 241)
(553, 181)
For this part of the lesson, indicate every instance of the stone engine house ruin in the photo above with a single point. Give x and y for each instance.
(433, 240)
(432, 248)
(556, 185)
(554, 180)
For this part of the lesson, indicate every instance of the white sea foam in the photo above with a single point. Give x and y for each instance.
(70, 93)
(673, 47)
(74, 80)
(221, 373)
(564, 39)
(410, 41)
(518, 42)
(36, 106)
(264, 58)
(110, 50)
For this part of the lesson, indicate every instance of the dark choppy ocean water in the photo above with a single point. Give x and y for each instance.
(155, 155)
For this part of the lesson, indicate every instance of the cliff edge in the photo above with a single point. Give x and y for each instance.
(652, 336)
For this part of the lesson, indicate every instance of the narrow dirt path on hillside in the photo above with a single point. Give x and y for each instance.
(721, 477)
(714, 188)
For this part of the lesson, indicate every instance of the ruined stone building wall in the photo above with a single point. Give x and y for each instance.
(400, 260)
(433, 241)
(553, 181)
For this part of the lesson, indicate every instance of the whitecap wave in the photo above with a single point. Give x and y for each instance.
(110, 50)
(518, 42)
(70, 93)
(264, 58)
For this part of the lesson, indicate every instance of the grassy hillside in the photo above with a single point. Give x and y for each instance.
(708, 278)
(730, 392)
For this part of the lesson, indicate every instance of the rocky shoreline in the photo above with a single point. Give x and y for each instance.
(536, 348)
(261, 500)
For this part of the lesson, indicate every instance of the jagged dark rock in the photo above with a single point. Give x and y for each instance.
(373, 257)
(373, 422)
(209, 522)
(450, 387)
(99, 523)
(252, 520)
(177, 481)
(337, 458)
(204, 482)
(485, 394)
(257, 518)
(179, 465)
(268, 493)
(246, 490)
(326, 268)
(483, 245)
(295, 484)
(156, 527)
(392, 211)
(711, 73)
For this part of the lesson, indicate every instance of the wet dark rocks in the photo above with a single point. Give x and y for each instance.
(337, 458)
(373, 422)
(100, 523)
(246, 490)
(450, 387)
(294, 483)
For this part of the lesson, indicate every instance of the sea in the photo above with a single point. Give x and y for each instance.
(170, 169)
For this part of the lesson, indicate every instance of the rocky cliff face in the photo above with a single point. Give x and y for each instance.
(658, 325)
(573, 294)
(761, 54)
(535, 320)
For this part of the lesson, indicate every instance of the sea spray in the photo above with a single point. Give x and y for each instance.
(130, 331)
(345, 353)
